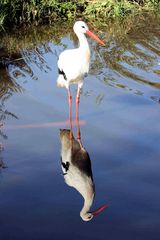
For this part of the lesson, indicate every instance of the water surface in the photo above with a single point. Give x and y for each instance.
(119, 115)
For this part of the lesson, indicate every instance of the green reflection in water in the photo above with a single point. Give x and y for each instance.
(132, 54)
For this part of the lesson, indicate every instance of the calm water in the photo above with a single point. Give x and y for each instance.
(120, 129)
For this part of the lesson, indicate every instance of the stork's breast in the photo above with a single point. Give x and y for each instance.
(87, 56)
(86, 62)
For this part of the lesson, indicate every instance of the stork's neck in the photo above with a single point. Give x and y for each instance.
(83, 43)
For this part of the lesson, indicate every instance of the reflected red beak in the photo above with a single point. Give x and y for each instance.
(92, 35)
(96, 212)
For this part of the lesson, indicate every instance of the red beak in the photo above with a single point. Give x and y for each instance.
(96, 212)
(92, 35)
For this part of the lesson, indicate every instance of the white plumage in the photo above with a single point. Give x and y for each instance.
(73, 64)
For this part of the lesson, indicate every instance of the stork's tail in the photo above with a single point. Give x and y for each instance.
(61, 82)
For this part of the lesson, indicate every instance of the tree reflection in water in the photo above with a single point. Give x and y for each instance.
(12, 67)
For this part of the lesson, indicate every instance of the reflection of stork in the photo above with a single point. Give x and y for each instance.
(73, 64)
(77, 172)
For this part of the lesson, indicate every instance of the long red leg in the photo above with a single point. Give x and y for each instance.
(70, 110)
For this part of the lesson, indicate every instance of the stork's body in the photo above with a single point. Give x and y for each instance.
(73, 64)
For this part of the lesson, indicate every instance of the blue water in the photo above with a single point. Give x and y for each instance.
(120, 130)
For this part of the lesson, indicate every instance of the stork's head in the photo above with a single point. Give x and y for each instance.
(81, 27)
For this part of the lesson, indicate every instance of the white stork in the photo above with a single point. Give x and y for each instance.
(73, 64)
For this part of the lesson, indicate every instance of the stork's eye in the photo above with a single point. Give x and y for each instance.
(83, 26)
(89, 217)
